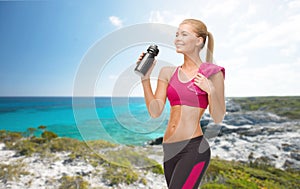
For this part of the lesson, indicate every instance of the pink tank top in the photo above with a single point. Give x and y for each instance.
(186, 93)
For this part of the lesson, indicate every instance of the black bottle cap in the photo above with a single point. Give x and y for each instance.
(153, 49)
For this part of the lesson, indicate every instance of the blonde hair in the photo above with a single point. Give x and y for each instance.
(201, 31)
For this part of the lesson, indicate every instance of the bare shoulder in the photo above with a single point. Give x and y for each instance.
(217, 76)
(217, 80)
(166, 73)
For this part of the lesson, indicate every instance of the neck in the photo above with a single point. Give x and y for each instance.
(192, 62)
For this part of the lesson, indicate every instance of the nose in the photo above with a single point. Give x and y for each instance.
(178, 37)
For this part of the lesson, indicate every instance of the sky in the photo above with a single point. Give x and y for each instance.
(43, 43)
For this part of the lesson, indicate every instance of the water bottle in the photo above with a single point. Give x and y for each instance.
(145, 64)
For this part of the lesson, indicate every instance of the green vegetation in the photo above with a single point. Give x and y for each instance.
(128, 165)
(42, 127)
(121, 166)
(127, 157)
(31, 131)
(125, 163)
(11, 172)
(226, 174)
(6, 136)
(157, 168)
(48, 135)
(288, 106)
(115, 175)
(76, 182)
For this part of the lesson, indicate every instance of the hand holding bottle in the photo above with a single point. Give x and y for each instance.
(146, 62)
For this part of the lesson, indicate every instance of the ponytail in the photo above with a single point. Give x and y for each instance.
(210, 48)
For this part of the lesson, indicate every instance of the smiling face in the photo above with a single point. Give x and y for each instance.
(186, 40)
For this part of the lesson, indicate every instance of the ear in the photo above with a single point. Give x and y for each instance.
(199, 41)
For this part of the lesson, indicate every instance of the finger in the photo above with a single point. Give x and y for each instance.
(200, 75)
(197, 78)
(140, 57)
(197, 83)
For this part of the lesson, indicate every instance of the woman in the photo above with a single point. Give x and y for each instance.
(189, 88)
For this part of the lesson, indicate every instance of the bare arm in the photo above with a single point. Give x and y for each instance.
(216, 97)
(214, 86)
(155, 102)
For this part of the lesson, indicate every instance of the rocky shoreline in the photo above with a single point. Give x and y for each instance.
(244, 136)
(250, 135)
(253, 135)
(53, 171)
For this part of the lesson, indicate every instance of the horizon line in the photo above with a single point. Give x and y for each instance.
(104, 96)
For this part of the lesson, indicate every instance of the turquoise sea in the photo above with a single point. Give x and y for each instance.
(120, 119)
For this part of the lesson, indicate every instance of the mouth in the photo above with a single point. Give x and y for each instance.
(179, 44)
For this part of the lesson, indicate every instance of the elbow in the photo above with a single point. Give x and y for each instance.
(155, 108)
(154, 114)
(218, 119)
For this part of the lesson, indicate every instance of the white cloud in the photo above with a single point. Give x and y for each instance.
(281, 79)
(276, 35)
(240, 34)
(234, 63)
(167, 17)
(257, 43)
(294, 4)
(218, 8)
(116, 21)
(289, 50)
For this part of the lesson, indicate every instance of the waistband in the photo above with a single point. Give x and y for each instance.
(187, 141)
(197, 144)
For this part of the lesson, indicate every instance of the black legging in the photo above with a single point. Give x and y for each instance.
(185, 162)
